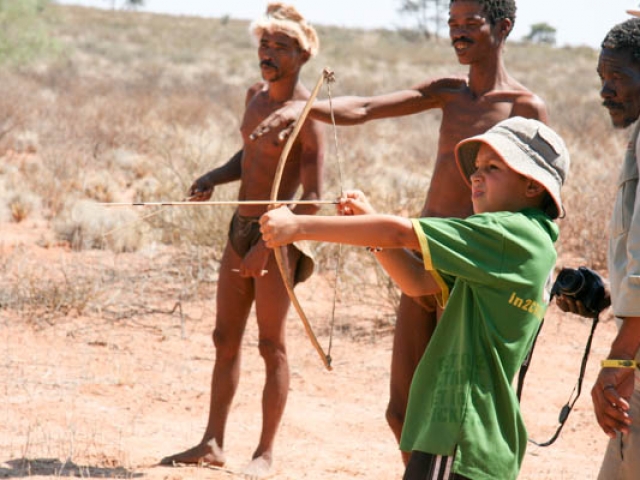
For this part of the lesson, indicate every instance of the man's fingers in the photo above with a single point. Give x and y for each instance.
(610, 409)
(265, 231)
(258, 132)
(284, 134)
(197, 194)
(571, 305)
(604, 421)
(264, 129)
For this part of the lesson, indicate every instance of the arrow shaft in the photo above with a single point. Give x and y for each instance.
(220, 202)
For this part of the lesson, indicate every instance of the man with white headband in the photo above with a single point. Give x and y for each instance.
(248, 270)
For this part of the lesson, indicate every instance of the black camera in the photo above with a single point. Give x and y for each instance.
(582, 284)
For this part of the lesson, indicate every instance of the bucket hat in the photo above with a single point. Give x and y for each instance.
(529, 147)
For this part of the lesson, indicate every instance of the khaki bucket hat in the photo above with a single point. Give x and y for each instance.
(529, 147)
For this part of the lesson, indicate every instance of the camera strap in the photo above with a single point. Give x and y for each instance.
(577, 389)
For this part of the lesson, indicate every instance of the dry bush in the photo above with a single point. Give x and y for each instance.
(104, 284)
(85, 225)
(589, 194)
(99, 186)
(26, 142)
(22, 204)
(5, 193)
(13, 109)
(17, 203)
(42, 297)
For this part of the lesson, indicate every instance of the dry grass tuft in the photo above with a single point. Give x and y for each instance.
(22, 204)
(85, 225)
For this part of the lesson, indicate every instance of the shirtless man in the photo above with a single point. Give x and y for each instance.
(470, 105)
(248, 271)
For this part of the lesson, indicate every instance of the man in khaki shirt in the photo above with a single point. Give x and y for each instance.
(616, 393)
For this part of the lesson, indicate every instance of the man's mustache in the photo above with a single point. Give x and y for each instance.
(461, 39)
(267, 63)
(610, 104)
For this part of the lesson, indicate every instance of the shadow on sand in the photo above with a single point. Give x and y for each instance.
(22, 468)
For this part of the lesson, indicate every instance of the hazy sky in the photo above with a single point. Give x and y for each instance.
(578, 22)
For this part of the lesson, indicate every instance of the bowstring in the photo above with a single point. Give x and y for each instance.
(330, 78)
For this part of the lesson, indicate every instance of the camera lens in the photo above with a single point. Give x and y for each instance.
(570, 281)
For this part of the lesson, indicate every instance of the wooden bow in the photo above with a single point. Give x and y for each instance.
(286, 278)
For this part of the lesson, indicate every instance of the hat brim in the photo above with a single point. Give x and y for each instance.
(516, 158)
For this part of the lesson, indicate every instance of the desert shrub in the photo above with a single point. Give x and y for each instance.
(16, 203)
(182, 156)
(85, 225)
(5, 193)
(26, 142)
(24, 35)
(21, 204)
(100, 186)
(41, 300)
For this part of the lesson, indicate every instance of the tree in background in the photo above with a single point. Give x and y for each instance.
(542, 33)
(134, 3)
(130, 4)
(430, 15)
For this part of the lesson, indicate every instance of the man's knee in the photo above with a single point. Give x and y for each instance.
(225, 346)
(395, 418)
(394, 414)
(272, 352)
(395, 411)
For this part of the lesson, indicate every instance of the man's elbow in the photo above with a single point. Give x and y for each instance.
(309, 208)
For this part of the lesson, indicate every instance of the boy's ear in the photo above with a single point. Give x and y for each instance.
(534, 188)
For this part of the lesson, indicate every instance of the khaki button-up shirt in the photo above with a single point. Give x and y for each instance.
(624, 242)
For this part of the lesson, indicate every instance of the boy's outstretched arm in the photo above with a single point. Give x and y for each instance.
(281, 227)
(395, 235)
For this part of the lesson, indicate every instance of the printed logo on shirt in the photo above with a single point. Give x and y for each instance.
(451, 392)
(528, 305)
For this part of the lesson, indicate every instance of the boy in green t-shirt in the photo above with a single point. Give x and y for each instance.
(489, 272)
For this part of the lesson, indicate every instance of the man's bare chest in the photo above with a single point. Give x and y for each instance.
(467, 119)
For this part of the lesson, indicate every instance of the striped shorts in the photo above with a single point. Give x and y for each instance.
(424, 466)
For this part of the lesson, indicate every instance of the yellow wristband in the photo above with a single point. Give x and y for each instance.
(618, 363)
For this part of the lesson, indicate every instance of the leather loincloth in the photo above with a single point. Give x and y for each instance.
(244, 233)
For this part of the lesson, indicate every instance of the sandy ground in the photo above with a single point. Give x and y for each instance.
(108, 396)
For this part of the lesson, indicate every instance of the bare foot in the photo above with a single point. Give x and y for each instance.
(259, 467)
(206, 453)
